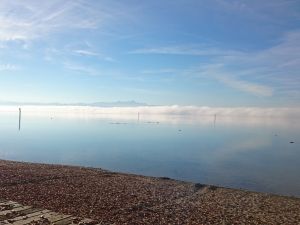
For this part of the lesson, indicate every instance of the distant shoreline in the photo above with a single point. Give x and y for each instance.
(126, 198)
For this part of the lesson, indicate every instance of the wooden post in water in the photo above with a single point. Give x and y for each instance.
(138, 116)
(215, 120)
(20, 118)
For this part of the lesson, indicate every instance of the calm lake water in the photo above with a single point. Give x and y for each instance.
(249, 153)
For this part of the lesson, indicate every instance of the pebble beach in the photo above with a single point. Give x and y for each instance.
(118, 198)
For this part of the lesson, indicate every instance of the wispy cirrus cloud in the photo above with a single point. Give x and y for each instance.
(161, 71)
(68, 53)
(23, 21)
(85, 52)
(29, 20)
(89, 53)
(245, 86)
(193, 50)
(266, 72)
(232, 79)
(271, 11)
(82, 69)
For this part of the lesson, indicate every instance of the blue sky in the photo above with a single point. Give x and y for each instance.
(186, 52)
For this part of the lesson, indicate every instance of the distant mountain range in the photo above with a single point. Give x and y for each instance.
(95, 104)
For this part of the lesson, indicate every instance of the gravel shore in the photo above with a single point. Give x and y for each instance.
(116, 198)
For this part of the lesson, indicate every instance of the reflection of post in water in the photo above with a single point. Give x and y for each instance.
(19, 118)
(215, 120)
(138, 116)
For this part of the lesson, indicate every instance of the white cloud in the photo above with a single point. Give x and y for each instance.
(7, 67)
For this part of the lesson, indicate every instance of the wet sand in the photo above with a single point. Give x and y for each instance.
(117, 198)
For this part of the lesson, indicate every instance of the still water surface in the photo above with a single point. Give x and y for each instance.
(249, 153)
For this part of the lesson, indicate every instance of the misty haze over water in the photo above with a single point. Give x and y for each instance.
(255, 153)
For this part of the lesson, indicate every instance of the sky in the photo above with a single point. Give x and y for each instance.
(217, 53)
